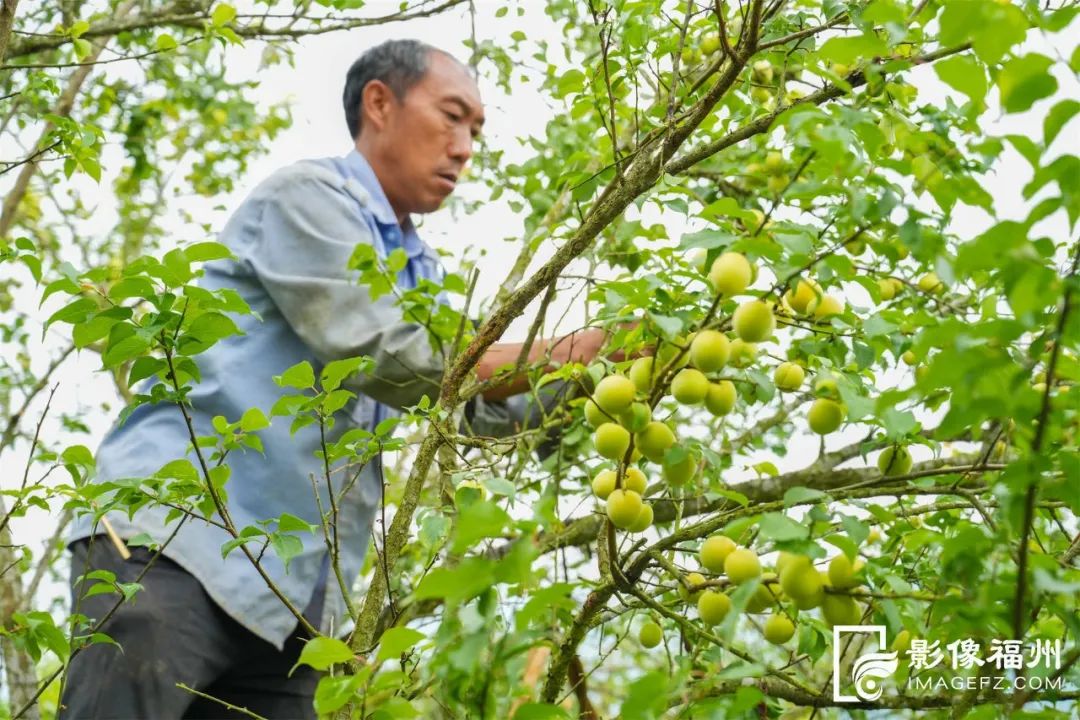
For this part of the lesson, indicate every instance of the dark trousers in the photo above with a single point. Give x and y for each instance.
(173, 632)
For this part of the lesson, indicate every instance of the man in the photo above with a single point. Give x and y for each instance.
(213, 624)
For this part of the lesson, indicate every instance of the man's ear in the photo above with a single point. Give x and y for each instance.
(376, 104)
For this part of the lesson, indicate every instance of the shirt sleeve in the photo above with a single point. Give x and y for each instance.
(309, 227)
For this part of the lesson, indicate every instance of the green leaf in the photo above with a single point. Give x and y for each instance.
(844, 543)
(964, 74)
(230, 36)
(165, 42)
(82, 49)
(90, 165)
(207, 329)
(1025, 80)
(1002, 26)
(291, 523)
(766, 468)
(253, 419)
(395, 708)
(991, 27)
(219, 475)
(129, 287)
(52, 636)
(300, 375)
(540, 711)
(322, 652)
(124, 350)
(33, 264)
(572, 81)
(104, 575)
(73, 312)
(725, 207)
(288, 405)
(222, 15)
(669, 326)
(516, 566)
(287, 547)
(800, 495)
(102, 638)
(144, 367)
(64, 284)
(300, 422)
(100, 589)
(857, 406)
(333, 691)
(1056, 119)
(706, 239)
(94, 329)
(129, 590)
(466, 580)
(646, 698)
(337, 370)
(397, 260)
(480, 519)
(553, 597)
(396, 641)
(178, 469)
(732, 495)
(336, 400)
(207, 251)
(142, 540)
(781, 528)
(1027, 147)
(175, 268)
(387, 426)
(1049, 583)
(856, 529)
(78, 454)
(847, 50)
(898, 423)
(500, 486)
(231, 545)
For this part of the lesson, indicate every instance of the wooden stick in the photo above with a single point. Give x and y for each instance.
(116, 541)
(534, 666)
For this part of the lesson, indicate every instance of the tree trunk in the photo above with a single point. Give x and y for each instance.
(19, 672)
(7, 20)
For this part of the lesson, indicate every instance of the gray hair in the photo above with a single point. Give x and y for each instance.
(399, 64)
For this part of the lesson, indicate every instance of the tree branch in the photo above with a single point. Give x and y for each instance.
(182, 14)
(1036, 448)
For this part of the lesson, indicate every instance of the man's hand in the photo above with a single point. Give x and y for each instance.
(581, 346)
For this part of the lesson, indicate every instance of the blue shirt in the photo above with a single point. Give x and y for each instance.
(292, 238)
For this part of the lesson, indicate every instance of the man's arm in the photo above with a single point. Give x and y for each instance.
(582, 346)
(300, 253)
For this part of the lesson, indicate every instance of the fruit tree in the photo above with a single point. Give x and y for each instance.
(834, 247)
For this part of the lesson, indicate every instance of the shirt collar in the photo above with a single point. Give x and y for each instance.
(359, 168)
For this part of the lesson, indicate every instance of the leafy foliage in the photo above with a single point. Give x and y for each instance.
(795, 135)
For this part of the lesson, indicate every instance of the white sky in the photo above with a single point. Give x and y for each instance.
(314, 87)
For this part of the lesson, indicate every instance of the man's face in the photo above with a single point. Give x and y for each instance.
(422, 144)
